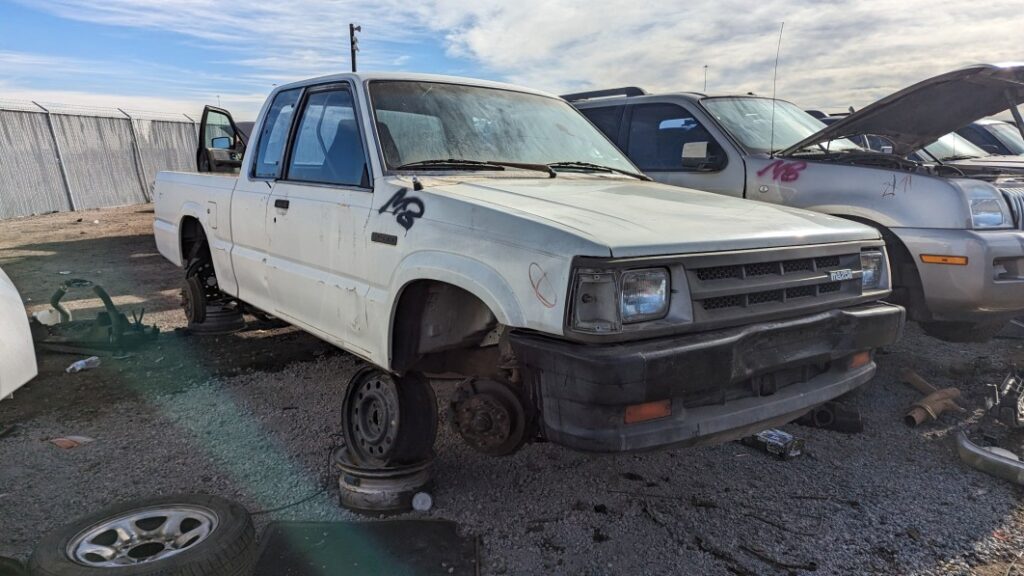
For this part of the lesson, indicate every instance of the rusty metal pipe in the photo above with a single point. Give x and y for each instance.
(988, 462)
(918, 383)
(932, 406)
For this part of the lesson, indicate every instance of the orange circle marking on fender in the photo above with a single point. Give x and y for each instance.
(542, 286)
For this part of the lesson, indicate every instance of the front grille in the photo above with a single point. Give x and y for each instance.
(720, 272)
(827, 262)
(1015, 198)
(769, 284)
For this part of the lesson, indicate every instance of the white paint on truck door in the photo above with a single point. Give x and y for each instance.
(249, 211)
(316, 219)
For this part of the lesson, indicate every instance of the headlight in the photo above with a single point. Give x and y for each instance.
(988, 209)
(644, 295)
(604, 299)
(596, 306)
(872, 265)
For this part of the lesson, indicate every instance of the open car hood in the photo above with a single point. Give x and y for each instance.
(918, 115)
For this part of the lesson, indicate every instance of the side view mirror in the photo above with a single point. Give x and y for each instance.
(221, 143)
(696, 157)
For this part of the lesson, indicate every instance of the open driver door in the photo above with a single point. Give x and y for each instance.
(221, 143)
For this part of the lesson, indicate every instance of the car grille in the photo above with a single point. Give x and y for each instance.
(773, 282)
(1015, 198)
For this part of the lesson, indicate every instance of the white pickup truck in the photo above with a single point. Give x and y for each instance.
(437, 225)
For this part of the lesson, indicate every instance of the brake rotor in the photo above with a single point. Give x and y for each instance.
(488, 416)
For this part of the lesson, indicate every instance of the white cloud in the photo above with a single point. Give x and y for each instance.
(834, 54)
(142, 86)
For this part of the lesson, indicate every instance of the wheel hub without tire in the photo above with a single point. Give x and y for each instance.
(488, 416)
(387, 420)
(142, 536)
(376, 415)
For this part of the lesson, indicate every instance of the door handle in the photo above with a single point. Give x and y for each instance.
(283, 204)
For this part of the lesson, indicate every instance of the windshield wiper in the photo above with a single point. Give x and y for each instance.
(961, 157)
(475, 165)
(597, 167)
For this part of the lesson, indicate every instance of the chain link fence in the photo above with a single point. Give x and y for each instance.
(56, 157)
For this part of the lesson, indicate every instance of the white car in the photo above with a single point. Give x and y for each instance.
(17, 355)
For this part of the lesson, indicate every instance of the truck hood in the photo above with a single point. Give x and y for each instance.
(918, 115)
(634, 218)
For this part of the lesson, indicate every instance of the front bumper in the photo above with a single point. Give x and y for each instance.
(710, 378)
(975, 292)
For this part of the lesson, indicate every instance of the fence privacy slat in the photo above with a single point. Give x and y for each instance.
(103, 166)
(30, 179)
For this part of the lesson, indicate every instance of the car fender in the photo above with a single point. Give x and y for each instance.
(17, 354)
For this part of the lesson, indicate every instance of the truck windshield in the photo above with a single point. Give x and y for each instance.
(749, 120)
(428, 121)
(953, 146)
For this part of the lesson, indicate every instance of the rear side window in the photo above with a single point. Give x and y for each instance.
(327, 146)
(608, 120)
(275, 133)
(658, 133)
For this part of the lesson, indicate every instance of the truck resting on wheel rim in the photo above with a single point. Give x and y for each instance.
(440, 225)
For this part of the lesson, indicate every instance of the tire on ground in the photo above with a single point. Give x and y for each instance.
(229, 550)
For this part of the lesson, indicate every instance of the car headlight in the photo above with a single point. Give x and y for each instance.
(988, 209)
(872, 266)
(644, 295)
(604, 300)
(596, 305)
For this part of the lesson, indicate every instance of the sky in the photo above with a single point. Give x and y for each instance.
(176, 56)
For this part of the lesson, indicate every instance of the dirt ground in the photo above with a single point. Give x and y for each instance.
(252, 416)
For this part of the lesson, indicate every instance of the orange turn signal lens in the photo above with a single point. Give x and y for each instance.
(937, 259)
(648, 411)
(860, 359)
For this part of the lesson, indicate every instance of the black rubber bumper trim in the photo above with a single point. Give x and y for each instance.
(583, 389)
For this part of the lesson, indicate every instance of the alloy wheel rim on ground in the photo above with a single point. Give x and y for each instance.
(142, 536)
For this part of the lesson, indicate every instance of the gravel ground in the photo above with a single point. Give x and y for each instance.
(252, 417)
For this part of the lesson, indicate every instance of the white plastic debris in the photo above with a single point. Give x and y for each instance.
(87, 364)
(47, 317)
(421, 502)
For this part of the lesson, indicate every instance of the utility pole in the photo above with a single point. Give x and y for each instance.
(705, 78)
(353, 42)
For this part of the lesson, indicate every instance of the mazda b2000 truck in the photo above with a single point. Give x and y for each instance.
(436, 225)
(955, 233)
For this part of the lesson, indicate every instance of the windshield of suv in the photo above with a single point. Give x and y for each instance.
(953, 146)
(749, 119)
(1008, 135)
(424, 121)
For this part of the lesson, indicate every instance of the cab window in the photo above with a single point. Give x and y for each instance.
(661, 135)
(607, 120)
(327, 147)
(274, 134)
